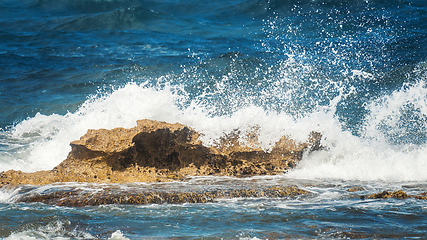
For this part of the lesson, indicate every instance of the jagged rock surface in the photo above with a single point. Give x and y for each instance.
(78, 198)
(159, 151)
(399, 194)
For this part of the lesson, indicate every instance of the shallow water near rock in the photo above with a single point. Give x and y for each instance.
(329, 211)
(353, 71)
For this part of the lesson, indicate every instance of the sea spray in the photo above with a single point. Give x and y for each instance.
(390, 145)
(370, 155)
(352, 70)
(297, 80)
(45, 139)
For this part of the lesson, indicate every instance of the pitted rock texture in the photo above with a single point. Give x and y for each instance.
(159, 151)
(78, 198)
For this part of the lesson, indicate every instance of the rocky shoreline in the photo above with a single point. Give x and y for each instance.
(156, 151)
(80, 198)
(178, 192)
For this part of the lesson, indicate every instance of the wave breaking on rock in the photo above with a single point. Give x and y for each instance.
(155, 151)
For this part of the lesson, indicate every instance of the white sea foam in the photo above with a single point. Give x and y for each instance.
(373, 155)
(7, 194)
(118, 235)
(48, 137)
(56, 229)
(384, 151)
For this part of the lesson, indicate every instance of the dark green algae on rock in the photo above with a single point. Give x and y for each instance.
(80, 198)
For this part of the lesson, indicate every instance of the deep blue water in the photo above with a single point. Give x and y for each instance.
(356, 71)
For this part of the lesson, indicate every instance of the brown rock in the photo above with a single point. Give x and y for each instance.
(159, 151)
(421, 196)
(399, 194)
(77, 198)
(356, 189)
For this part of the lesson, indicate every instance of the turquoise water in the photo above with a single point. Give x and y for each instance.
(355, 71)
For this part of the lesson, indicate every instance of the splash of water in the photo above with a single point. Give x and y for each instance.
(392, 146)
(384, 149)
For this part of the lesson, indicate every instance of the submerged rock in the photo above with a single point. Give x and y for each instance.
(399, 194)
(356, 189)
(78, 198)
(386, 194)
(159, 151)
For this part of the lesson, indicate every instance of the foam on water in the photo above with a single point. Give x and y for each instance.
(330, 89)
(391, 146)
(118, 235)
(354, 71)
(45, 139)
(6, 195)
(56, 229)
(381, 151)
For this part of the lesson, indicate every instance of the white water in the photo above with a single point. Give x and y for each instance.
(377, 155)
(48, 137)
(370, 156)
(57, 230)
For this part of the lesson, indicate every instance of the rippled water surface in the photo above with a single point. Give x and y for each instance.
(353, 70)
(329, 211)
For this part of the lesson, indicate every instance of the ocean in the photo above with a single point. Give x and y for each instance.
(353, 70)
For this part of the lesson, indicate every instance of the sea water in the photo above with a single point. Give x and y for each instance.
(355, 71)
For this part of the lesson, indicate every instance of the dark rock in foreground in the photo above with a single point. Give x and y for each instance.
(78, 198)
